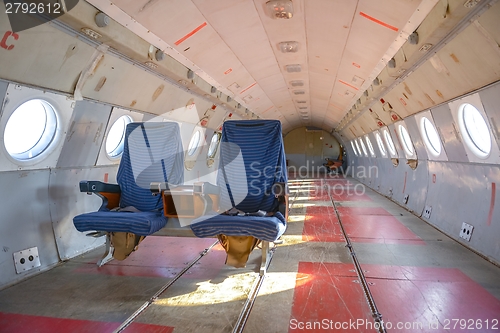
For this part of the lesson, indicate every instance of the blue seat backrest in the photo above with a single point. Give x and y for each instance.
(152, 152)
(261, 145)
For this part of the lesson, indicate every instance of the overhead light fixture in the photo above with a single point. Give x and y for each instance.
(297, 83)
(101, 20)
(295, 68)
(159, 55)
(280, 9)
(425, 47)
(413, 38)
(289, 47)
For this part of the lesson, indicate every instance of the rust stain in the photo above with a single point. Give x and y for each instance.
(454, 57)
(430, 99)
(421, 104)
(439, 94)
(407, 89)
(99, 85)
(134, 102)
(157, 92)
(405, 96)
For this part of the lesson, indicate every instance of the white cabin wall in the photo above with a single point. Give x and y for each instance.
(456, 189)
(42, 198)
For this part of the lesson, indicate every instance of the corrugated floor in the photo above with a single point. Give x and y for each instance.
(421, 281)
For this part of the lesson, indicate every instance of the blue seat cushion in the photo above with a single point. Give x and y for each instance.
(268, 228)
(141, 223)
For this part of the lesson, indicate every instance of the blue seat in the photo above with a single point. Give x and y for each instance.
(152, 151)
(252, 162)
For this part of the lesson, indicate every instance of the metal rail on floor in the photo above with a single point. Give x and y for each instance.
(153, 299)
(247, 307)
(377, 316)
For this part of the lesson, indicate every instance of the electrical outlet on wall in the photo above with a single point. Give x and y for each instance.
(466, 231)
(427, 212)
(26, 260)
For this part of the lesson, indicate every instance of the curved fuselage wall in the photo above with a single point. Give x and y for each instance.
(91, 88)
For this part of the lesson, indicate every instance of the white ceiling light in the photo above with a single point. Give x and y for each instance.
(288, 47)
(282, 9)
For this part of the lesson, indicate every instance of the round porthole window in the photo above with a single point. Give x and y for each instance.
(380, 144)
(116, 137)
(430, 135)
(390, 143)
(30, 129)
(407, 144)
(363, 147)
(370, 146)
(354, 148)
(214, 143)
(193, 144)
(474, 130)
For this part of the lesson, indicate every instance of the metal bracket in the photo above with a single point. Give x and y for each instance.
(427, 212)
(466, 231)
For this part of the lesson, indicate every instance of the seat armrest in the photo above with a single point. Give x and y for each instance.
(187, 200)
(109, 193)
(94, 186)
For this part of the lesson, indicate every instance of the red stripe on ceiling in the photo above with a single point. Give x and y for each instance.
(378, 21)
(492, 203)
(204, 24)
(248, 87)
(347, 84)
(269, 108)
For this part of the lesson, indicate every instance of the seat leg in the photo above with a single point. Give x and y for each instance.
(266, 258)
(108, 254)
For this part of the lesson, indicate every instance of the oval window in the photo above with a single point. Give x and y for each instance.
(214, 143)
(357, 146)
(354, 148)
(380, 144)
(407, 144)
(370, 146)
(30, 129)
(193, 144)
(389, 142)
(431, 137)
(116, 137)
(363, 147)
(475, 130)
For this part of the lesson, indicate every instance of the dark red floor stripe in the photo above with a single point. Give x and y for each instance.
(18, 323)
(328, 298)
(378, 229)
(321, 225)
(429, 299)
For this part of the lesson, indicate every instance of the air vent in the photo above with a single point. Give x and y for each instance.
(289, 47)
(280, 9)
(303, 108)
(299, 92)
(293, 68)
(297, 83)
(301, 102)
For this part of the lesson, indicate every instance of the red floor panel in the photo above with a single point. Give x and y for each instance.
(362, 211)
(328, 298)
(17, 323)
(159, 256)
(378, 229)
(321, 225)
(350, 195)
(427, 299)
